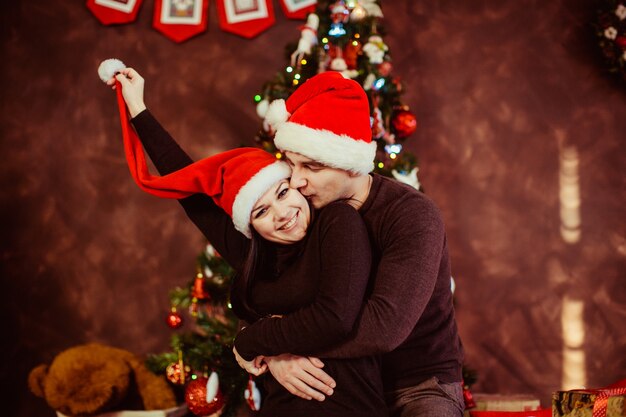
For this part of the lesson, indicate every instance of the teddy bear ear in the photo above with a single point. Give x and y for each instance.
(37, 379)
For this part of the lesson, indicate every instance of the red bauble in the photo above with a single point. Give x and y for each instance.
(403, 123)
(174, 373)
(195, 397)
(197, 290)
(384, 69)
(468, 398)
(339, 13)
(621, 41)
(173, 319)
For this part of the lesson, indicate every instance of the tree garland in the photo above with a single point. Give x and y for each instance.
(611, 33)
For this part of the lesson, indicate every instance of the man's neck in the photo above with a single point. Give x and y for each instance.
(362, 185)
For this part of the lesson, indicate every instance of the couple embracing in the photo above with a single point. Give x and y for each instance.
(343, 276)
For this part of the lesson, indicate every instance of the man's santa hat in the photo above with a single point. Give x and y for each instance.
(327, 119)
(234, 179)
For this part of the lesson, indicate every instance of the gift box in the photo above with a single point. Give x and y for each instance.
(179, 411)
(607, 402)
(501, 402)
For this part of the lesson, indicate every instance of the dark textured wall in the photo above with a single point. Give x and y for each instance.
(504, 93)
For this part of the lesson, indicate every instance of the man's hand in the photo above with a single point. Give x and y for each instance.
(255, 367)
(303, 377)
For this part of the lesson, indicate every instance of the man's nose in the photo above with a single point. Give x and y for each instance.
(297, 180)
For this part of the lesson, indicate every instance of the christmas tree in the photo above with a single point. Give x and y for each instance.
(347, 37)
(344, 36)
(201, 356)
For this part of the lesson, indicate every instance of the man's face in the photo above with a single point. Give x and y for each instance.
(319, 183)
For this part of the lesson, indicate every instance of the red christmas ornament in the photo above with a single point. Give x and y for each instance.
(173, 319)
(351, 53)
(384, 69)
(468, 398)
(621, 41)
(196, 398)
(177, 374)
(339, 13)
(403, 123)
(198, 291)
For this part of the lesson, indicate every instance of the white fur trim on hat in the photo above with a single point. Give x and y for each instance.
(109, 67)
(337, 151)
(253, 190)
(277, 113)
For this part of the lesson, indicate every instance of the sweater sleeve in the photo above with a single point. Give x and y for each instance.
(344, 271)
(413, 239)
(209, 218)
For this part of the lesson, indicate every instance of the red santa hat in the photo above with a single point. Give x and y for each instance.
(326, 119)
(235, 179)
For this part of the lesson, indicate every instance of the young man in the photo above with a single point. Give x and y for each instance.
(409, 316)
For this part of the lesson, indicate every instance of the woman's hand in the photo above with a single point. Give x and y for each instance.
(301, 376)
(255, 367)
(132, 89)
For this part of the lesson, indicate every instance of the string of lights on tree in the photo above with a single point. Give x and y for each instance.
(347, 37)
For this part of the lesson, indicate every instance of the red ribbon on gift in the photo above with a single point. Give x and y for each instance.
(602, 397)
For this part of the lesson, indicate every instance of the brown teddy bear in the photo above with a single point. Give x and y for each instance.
(90, 379)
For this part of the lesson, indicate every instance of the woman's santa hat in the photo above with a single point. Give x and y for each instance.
(235, 179)
(326, 119)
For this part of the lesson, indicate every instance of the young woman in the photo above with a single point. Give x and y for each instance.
(289, 259)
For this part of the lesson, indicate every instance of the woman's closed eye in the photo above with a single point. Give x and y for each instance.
(260, 212)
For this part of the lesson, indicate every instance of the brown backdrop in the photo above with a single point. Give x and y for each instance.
(511, 100)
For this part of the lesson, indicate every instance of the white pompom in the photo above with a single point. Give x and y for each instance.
(277, 113)
(109, 67)
(313, 21)
(253, 396)
(407, 178)
(338, 64)
(212, 386)
(261, 108)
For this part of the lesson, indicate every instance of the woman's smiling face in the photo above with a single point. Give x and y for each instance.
(281, 215)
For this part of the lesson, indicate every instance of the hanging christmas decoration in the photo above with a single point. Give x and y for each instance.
(198, 290)
(409, 178)
(375, 49)
(114, 12)
(308, 39)
(203, 396)
(252, 395)
(384, 69)
(178, 373)
(403, 122)
(173, 319)
(245, 18)
(180, 20)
